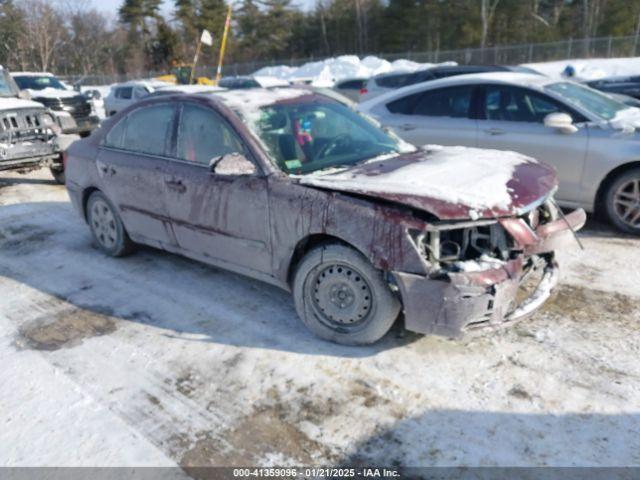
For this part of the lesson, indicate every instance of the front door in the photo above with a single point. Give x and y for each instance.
(131, 164)
(221, 217)
(513, 119)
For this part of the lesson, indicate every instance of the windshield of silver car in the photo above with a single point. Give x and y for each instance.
(306, 137)
(595, 102)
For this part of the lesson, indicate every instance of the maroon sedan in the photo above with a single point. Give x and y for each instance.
(299, 190)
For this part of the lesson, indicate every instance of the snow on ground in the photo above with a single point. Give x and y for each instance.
(590, 69)
(155, 359)
(325, 73)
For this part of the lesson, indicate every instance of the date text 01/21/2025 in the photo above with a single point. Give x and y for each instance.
(316, 472)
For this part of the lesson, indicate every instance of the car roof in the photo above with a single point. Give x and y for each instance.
(530, 80)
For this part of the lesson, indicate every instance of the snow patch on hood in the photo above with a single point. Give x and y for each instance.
(52, 93)
(627, 120)
(475, 178)
(10, 103)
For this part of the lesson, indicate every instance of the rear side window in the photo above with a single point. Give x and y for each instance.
(146, 130)
(454, 102)
(124, 93)
(203, 135)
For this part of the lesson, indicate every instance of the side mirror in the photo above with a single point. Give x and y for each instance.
(232, 164)
(560, 121)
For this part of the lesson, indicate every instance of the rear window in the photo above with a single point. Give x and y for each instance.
(352, 84)
(393, 81)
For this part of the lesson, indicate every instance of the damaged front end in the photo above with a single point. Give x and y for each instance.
(480, 270)
(27, 138)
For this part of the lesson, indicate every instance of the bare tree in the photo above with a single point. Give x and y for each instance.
(44, 33)
(487, 11)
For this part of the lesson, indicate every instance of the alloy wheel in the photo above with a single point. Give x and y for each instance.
(103, 223)
(626, 203)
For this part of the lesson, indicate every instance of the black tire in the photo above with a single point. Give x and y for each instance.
(622, 202)
(106, 226)
(342, 298)
(58, 175)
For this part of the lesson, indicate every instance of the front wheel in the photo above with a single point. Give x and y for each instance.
(106, 226)
(342, 298)
(622, 202)
(58, 174)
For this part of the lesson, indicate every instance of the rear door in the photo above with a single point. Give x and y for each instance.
(132, 163)
(513, 119)
(442, 116)
(220, 217)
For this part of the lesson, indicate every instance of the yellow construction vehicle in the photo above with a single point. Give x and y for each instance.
(181, 74)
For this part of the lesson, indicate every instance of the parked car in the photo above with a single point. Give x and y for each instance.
(351, 87)
(628, 85)
(47, 89)
(29, 134)
(387, 82)
(254, 81)
(299, 190)
(124, 94)
(587, 136)
(179, 89)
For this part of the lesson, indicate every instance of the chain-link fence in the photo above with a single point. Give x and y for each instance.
(599, 47)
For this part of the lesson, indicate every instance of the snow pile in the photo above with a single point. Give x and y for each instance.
(473, 177)
(591, 69)
(325, 73)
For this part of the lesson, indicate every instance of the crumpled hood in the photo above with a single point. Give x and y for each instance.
(452, 183)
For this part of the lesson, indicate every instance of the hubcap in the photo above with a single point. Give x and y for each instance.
(103, 224)
(341, 296)
(626, 202)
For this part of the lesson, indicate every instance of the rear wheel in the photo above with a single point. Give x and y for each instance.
(106, 226)
(622, 202)
(342, 298)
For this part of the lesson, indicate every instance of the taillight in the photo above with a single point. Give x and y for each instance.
(363, 91)
(64, 160)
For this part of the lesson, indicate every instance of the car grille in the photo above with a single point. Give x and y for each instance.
(77, 106)
(23, 125)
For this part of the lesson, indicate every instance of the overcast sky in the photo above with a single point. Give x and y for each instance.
(111, 6)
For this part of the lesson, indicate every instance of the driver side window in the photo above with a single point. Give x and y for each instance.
(203, 135)
(511, 104)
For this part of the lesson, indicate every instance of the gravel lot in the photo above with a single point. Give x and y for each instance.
(153, 359)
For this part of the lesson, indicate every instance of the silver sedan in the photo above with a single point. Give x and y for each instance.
(590, 138)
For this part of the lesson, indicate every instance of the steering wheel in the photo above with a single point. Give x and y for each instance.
(338, 141)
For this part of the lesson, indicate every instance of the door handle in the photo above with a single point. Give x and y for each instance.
(176, 185)
(495, 131)
(407, 126)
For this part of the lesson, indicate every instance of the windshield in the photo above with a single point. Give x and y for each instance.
(306, 137)
(591, 100)
(7, 88)
(33, 82)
